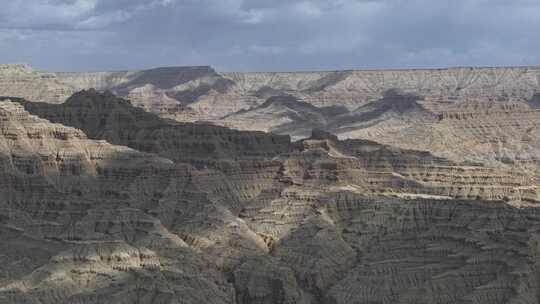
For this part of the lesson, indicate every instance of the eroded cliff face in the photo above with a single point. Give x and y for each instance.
(226, 93)
(73, 226)
(105, 116)
(105, 203)
(487, 115)
(421, 186)
(201, 93)
(20, 80)
(499, 134)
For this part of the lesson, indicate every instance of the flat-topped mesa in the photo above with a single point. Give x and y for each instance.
(105, 116)
(198, 93)
(170, 91)
(97, 80)
(167, 77)
(124, 81)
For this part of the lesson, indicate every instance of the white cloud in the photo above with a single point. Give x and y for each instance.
(307, 9)
(72, 14)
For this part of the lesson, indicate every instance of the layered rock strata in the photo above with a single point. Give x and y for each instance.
(201, 93)
(105, 203)
(396, 107)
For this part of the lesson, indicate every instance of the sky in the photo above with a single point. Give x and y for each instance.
(268, 35)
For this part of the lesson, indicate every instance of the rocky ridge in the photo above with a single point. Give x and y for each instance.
(418, 186)
(374, 99)
(129, 208)
(204, 89)
(20, 80)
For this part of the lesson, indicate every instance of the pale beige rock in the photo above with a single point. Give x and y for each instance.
(75, 205)
(20, 80)
(102, 202)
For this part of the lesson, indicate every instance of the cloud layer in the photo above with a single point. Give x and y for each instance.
(247, 35)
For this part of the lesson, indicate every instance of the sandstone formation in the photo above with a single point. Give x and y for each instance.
(73, 226)
(496, 134)
(201, 93)
(411, 186)
(21, 80)
(282, 114)
(104, 116)
(395, 107)
(165, 91)
(127, 207)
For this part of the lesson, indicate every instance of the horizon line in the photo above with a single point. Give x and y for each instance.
(373, 69)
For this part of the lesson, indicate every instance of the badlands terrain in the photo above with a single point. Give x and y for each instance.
(188, 185)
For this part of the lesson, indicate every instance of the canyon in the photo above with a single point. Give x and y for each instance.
(189, 185)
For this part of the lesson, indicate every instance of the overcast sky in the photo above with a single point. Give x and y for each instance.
(273, 35)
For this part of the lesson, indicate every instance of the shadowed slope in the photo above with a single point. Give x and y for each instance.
(74, 227)
(105, 116)
(322, 221)
(282, 114)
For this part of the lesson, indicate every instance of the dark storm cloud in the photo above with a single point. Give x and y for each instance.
(269, 34)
